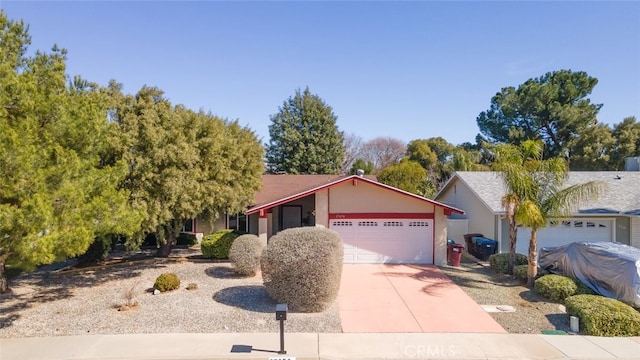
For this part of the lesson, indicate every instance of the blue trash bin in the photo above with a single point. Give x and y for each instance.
(485, 248)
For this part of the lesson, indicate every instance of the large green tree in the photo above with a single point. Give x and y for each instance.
(304, 137)
(409, 176)
(627, 141)
(440, 158)
(536, 193)
(182, 164)
(593, 150)
(56, 193)
(553, 108)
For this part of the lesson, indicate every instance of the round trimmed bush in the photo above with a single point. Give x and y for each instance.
(302, 267)
(500, 262)
(167, 282)
(245, 254)
(555, 287)
(218, 244)
(601, 316)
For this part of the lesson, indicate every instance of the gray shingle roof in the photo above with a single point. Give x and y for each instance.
(621, 194)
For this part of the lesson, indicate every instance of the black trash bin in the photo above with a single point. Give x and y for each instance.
(469, 244)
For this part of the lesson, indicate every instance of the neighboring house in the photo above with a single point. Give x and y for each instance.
(614, 216)
(378, 223)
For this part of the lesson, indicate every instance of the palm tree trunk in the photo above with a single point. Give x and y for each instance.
(513, 233)
(532, 269)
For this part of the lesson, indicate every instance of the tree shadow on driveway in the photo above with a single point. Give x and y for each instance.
(250, 297)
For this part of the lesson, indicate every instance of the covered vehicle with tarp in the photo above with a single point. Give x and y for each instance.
(609, 269)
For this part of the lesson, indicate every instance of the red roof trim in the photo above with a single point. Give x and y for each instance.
(300, 195)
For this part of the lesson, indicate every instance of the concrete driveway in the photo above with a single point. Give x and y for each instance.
(407, 298)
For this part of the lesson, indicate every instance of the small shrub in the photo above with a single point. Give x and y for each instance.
(601, 316)
(500, 262)
(188, 239)
(555, 287)
(218, 244)
(129, 295)
(245, 254)
(192, 286)
(302, 267)
(167, 282)
(521, 272)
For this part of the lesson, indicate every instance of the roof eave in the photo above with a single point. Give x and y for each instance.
(258, 208)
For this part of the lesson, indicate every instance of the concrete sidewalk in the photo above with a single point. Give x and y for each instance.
(320, 346)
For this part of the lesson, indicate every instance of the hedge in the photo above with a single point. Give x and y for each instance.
(601, 316)
(218, 244)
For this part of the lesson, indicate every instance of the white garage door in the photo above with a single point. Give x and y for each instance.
(564, 232)
(392, 241)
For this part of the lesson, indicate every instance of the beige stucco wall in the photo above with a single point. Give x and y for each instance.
(322, 208)
(635, 232)
(481, 219)
(440, 238)
(368, 198)
(206, 227)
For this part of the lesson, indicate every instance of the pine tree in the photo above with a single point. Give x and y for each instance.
(305, 138)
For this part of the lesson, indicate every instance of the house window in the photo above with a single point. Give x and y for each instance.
(342, 223)
(189, 225)
(237, 222)
(419, 223)
(367, 223)
(393, 223)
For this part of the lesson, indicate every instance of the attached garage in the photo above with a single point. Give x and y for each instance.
(563, 232)
(377, 223)
(389, 241)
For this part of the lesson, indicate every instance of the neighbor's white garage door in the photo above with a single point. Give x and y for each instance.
(393, 241)
(564, 232)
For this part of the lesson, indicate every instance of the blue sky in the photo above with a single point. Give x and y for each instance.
(409, 70)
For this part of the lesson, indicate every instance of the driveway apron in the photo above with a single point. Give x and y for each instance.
(407, 298)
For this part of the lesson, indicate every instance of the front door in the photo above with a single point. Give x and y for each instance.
(291, 216)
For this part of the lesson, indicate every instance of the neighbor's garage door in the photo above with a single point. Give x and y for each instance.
(394, 241)
(563, 232)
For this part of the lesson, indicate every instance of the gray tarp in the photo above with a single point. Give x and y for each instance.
(610, 269)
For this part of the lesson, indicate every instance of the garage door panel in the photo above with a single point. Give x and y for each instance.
(386, 241)
(564, 232)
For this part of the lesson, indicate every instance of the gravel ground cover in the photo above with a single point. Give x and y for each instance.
(87, 302)
(532, 314)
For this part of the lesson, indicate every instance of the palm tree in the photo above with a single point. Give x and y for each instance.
(536, 194)
(514, 163)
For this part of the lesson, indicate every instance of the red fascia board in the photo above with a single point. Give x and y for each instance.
(381, 216)
(339, 181)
